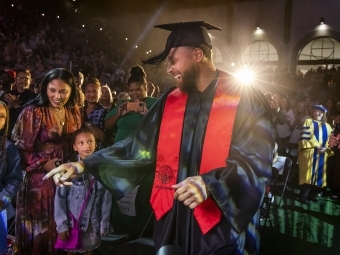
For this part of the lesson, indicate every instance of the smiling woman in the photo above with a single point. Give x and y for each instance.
(42, 133)
(126, 116)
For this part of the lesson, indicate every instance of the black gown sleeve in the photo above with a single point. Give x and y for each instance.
(126, 163)
(238, 188)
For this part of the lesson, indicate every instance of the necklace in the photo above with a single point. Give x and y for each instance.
(60, 114)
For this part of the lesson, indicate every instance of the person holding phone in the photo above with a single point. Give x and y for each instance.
(128, 114)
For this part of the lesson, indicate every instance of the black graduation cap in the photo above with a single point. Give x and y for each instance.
(183, 34)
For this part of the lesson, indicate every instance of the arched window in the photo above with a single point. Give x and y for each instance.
(260, 51)
(323, 48)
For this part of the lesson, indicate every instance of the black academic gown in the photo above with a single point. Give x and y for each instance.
(237, 189)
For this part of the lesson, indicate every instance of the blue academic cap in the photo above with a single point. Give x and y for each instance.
(320, 107)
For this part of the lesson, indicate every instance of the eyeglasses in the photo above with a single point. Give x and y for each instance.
(22, 78)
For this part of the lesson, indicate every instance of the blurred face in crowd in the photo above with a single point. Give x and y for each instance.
(79, 80)
(3, 116)
(136, 91)
(284, 103)
(301, 107)
(84, 144)
(317, 114)
(22, 81)
(4, 80)
(308, 101)
(92, 93)
(181, 65)
(105, 93)
(329, 104)
(337, 119)
(58, 93)
(277, 98)
(292, 103)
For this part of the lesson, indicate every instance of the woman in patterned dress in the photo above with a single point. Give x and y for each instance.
(42, 134)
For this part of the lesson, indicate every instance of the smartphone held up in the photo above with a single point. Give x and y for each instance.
(135, 106)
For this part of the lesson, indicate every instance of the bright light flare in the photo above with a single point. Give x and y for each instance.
(245, 76)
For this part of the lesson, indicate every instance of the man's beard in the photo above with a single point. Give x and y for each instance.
(189, 79)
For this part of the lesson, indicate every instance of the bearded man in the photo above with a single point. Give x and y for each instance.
(209, 146)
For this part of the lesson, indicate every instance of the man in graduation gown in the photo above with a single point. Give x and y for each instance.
(208, 145)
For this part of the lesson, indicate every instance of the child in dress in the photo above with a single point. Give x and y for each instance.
(95, 220)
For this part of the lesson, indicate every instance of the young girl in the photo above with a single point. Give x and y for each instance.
(95, 220)
(10, 176)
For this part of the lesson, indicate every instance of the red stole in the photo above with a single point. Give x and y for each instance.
(214, 153)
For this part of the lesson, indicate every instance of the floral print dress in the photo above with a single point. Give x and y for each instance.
(36, 128)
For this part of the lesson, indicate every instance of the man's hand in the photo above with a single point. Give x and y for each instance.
(192, 191)
(334, 141)
(13, 101)
(63, 172)
(64, 236)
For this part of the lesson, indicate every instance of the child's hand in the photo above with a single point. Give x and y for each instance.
(64, 236)
(103, 234)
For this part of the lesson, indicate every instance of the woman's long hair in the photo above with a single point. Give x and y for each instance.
(3, 137)
(110, 93)
(58, 73)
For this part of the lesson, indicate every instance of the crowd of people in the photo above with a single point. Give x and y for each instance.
(307, 125)
(42, 126)
(65, 97)
(39, 43)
